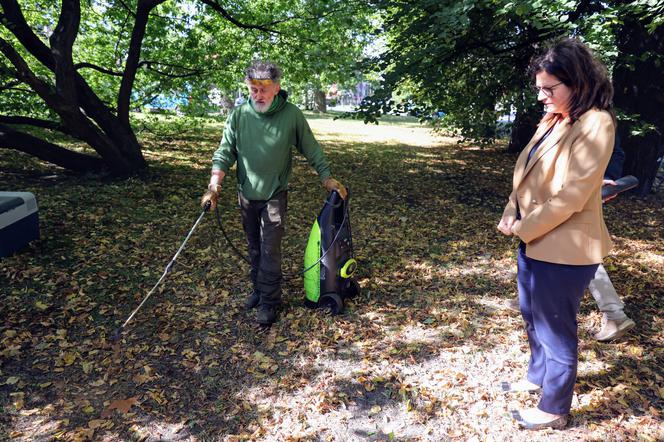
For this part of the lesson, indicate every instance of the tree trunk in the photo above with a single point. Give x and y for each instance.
(641, 159)
(523, 129)
(319, 101)
(528, 110)
(80, 110)
(638, 81)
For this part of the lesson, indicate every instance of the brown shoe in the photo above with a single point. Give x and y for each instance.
(612, 329)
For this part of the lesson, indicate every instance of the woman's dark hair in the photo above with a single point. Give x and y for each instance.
(573, 63)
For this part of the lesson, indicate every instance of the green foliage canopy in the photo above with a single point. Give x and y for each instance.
(126, 53)
(465, 58)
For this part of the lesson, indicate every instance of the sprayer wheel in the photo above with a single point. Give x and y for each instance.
(352, 290)
(332, 303)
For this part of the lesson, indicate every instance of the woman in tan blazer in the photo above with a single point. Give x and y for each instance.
(555, 209)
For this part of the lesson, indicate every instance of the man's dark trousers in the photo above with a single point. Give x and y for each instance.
(549, 298)
(264, 224)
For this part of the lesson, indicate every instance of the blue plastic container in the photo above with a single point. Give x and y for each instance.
(19, 221)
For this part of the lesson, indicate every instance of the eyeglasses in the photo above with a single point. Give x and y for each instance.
(546, 90)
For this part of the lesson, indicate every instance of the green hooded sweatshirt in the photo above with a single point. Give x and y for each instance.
(262, 143)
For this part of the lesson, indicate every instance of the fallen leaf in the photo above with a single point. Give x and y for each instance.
(122, 405)
(158, 397)
(69, 358)
(95, 423)
(141, 378)
(84, 434)
(18, 400)
(87, 367)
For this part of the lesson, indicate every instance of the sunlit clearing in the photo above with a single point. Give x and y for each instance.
(357, 131)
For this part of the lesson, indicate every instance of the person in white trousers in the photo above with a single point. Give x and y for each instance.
(615, 322)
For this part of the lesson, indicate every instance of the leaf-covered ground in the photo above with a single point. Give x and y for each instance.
(417, 356)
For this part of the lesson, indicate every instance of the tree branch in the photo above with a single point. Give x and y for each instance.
(150, 96)
(149, 65)
(71, 115)
(18, 89)
(131, 65)
(88, 100)
(224, 13)
(62, 42)
(84, 65)
(82, 111)
(25, 75)
(127, 8)
(13, 139)
(19, 27)
(299, 17)
(36, 122)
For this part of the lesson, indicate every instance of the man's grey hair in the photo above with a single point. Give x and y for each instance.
(263, 70)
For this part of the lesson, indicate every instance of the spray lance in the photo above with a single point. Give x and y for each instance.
(167, 270)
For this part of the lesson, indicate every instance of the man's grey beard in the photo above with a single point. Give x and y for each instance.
(263, 107)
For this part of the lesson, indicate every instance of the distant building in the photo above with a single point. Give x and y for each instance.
(348, 98)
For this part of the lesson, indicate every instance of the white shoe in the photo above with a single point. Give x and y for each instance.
(536, 419)
(612, 329)
(522, 385)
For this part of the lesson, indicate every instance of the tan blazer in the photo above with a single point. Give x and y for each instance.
(559, 192)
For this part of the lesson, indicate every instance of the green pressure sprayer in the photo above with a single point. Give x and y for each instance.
(328, 259)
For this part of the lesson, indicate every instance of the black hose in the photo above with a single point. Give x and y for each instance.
(286, 276)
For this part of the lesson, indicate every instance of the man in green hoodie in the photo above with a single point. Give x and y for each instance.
(259, 136)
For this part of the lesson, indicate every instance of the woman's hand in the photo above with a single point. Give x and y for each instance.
(505, 225)
(515, 227)
(609, 183)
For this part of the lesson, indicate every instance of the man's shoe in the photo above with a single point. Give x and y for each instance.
(612, 329)
(266, 314)
(252, 300)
